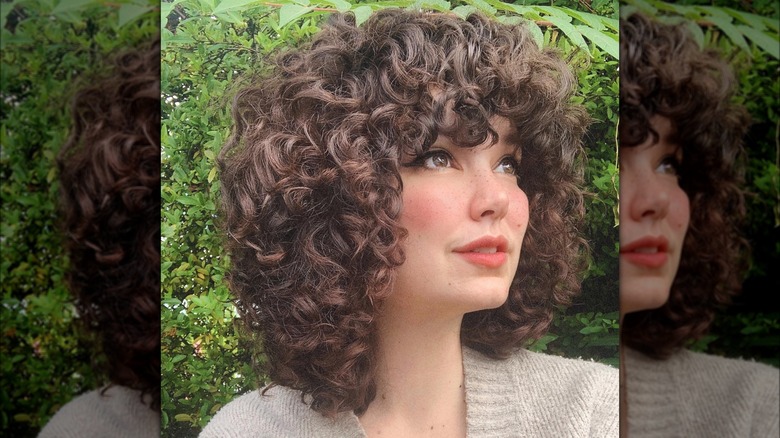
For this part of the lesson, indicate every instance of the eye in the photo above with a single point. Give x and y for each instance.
(670, 165)
(508, 165)
(435, 160)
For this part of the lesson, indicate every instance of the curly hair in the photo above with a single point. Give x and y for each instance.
(311, 190)
(664, 72)
(109, 171)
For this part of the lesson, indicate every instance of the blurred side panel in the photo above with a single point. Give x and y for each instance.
(52, 51)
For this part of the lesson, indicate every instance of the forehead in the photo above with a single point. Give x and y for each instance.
(503, 127)
(664, 127)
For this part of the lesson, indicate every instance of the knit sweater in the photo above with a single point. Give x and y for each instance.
(118, 413)
(527, 395)
(697, 395)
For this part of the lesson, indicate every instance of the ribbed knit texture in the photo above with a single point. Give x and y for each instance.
(527, 395)
(697, 395)
(119, 413)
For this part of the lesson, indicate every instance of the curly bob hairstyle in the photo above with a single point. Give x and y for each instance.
(110, 204)
(664, 72)
(311, 190)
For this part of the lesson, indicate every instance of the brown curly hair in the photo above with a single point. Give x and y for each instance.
(664, 72)
(109, 171)
(311, 190)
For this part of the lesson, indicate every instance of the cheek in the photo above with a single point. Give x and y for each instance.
(679, 211)
(519, 212)
(424, 209)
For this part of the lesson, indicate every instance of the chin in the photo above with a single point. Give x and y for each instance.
(643, 294)
(487, 298)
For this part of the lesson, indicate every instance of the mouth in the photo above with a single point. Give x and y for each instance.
(489, 251)
(648, 252)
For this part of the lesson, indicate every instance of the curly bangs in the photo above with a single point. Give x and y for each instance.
(110, 204)
(664, 72)
(311, 190)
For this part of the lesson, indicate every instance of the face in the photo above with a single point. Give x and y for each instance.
(654, 216)
(466, 218)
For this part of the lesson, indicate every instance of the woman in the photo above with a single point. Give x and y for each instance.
(377, 191)
(110, 206)
(681, 251)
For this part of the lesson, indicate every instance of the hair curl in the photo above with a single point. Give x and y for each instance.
(110, 204)
(311, 190)
(664, 72)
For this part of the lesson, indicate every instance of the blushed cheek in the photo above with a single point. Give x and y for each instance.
(424, 209)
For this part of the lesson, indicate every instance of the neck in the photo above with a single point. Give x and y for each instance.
(420, 390)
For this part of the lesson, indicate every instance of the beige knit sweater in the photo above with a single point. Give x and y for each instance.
(697, 395)
(118, 413)
(527, 395)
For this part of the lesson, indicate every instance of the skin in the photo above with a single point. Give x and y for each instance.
(652, 206)
(452, 197)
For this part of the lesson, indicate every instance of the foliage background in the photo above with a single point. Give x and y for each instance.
(208, 49)
(746, 35)
(49, 49)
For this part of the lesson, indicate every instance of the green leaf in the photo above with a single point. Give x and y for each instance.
(290, 12)
(755, 21)
(72, 6)
(128, 12)
(340, 5)
(464, 11)
(766, 42)
(569, 30)
(362, 13)
(232, 5)
(723, 21)
(186, 200)
(603, 41)
(592, 329)
(483, 6)
(230, 17)
(536, 32)
(436, 5)
(696, 33)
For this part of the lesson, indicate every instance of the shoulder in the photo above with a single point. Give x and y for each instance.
(548, 368)
(280, 412)
(526, 387)
(730, 377)
(743, 385)
(735, 369)
(705, 393)
(117, 411)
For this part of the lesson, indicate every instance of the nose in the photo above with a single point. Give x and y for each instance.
(490, 197)
(648, 197)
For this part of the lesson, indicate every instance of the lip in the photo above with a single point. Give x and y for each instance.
(488, 260)
(630, 253)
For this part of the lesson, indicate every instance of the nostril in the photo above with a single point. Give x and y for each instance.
(488, 213)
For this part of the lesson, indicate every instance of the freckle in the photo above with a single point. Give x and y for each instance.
(383, 397)
(431, 427)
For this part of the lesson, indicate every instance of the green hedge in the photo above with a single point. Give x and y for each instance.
(49, 49)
